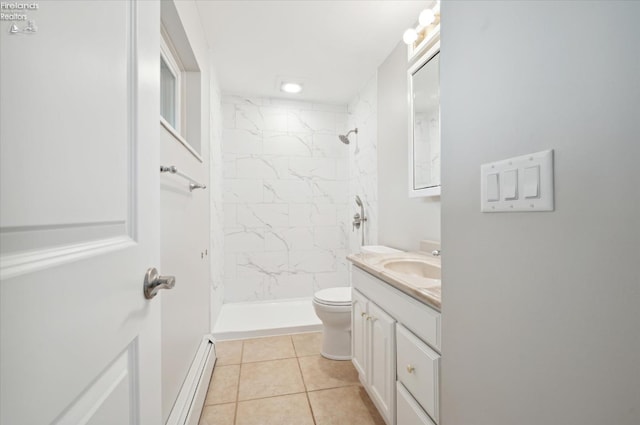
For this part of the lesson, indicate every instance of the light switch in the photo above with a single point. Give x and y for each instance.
(510, 184)
(522, 183)
(532, 182)
(493, 188)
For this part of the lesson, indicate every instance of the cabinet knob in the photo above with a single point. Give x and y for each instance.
(410, 368)
(363, 314)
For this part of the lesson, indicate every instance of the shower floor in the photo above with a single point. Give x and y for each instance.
(266, 318)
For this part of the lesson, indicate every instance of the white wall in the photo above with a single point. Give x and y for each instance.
(184, 235)
(216, 229)
(541, 311)
(403, 221)
(363, 164)
(285, 195)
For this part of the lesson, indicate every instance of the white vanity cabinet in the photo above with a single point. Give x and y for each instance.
(373, 348)
(395, 346)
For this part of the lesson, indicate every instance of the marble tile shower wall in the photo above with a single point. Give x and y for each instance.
(363, 162)
(285, 193)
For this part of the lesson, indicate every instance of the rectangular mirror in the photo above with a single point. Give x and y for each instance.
(424, 124)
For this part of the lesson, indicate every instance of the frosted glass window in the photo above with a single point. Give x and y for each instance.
(167, 93)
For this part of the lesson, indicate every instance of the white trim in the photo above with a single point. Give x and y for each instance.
(171, 59)
(414, 52)
(188, 406)
(180, 139)
(260, 333)
(132, 125)
(426, 191)
(19, 264)
(117, 375)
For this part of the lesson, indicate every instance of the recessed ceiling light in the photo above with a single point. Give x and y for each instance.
(291, 87)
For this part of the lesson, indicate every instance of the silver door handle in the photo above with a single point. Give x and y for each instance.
(153, 282)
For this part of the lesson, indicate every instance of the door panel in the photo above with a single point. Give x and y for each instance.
(382, 360)
(78, 215)
(111, 393)
(60, 87)
(359, 333)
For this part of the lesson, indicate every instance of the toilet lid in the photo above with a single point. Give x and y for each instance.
(334, 296)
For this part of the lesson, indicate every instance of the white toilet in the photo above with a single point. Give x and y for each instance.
(333, 307)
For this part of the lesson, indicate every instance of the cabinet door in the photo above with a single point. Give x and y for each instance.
(382, 361)
(359, 333)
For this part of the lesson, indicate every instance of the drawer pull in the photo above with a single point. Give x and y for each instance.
(410, 368)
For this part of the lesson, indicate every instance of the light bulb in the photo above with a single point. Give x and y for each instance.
(427, 17)
(410, 36)
(291, 87)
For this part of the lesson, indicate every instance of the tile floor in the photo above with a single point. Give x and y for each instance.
(283, 380)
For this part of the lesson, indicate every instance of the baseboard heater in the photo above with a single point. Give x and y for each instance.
(188, 406)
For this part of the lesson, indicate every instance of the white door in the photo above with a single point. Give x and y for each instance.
(79, 204)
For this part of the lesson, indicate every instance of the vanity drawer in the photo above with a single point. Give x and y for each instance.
(408, 411)
(418, 368)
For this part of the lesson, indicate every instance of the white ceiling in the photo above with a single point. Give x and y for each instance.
(332, 46)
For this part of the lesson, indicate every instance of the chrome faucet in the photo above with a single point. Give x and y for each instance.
(359, 218)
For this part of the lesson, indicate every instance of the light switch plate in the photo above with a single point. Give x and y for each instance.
(545, 199)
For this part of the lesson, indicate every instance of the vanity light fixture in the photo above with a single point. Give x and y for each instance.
(427, 18)
(291, 87)
(410, 36)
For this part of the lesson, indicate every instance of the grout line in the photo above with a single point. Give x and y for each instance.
(336, 388)
(235, 413)
(313, 416)
(270, 360)
(304, 383)
(294, 347)
(306, 391)
(272, 396)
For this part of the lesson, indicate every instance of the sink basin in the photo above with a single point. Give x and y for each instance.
(413, 268)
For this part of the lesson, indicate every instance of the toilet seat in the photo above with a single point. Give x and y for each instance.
(333, 296)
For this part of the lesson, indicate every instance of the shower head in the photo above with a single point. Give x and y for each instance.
(344, 138)
(358, 201)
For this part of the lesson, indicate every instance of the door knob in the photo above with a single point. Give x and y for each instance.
(153, 282)
(410, 368)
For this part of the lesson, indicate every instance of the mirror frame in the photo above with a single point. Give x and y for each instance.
(426, 57)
